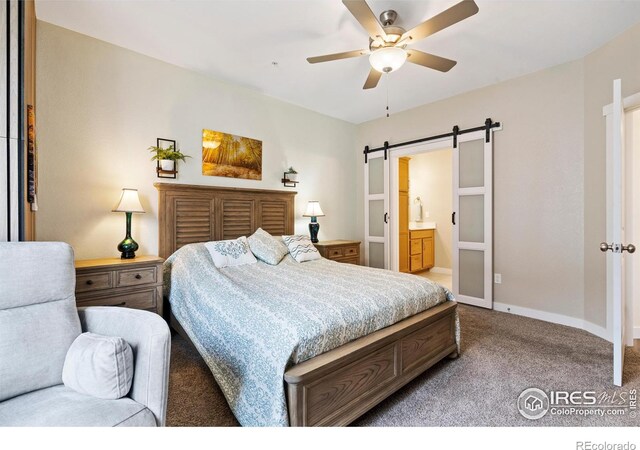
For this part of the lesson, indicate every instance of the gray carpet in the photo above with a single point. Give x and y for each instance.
(501, 356)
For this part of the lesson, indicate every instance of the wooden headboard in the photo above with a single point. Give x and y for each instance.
(189, 214)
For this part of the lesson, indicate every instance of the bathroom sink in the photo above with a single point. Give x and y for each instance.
(422, 226)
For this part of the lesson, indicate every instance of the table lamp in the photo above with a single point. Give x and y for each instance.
(314, 211)
(129, 203)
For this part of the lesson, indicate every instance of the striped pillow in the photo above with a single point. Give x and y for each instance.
(301, 248)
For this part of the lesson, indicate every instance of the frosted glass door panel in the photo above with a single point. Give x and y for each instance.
(376, 255)
(472, 218)
(471, 269)
(471, 156)
(473, 227)
(376, 218)
(376, 176)
(376, 203)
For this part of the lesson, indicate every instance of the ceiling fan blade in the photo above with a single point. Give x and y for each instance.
(372, 79)
(430, 61)
(336, 56)
(365, 17)
(455, 14)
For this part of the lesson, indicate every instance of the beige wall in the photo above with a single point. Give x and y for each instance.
(538, 179)
(549, 174)
(430, 177)
(101, 106)
(617, 59)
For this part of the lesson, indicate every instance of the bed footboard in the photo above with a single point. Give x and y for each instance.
(337, 387)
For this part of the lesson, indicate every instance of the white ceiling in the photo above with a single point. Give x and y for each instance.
(237, 40)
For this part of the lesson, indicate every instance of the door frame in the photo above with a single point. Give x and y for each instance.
(395, 155)
(632, 190)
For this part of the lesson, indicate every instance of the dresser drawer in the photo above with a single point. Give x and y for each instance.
(351, 251)
(416, 262)
(135, 277)
(355, 261)
(416, 246)
(334, 253)
(139, 300)
(93, 281)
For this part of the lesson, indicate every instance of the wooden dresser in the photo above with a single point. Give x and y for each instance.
(421, 243)
(340, 250)
(131, 283)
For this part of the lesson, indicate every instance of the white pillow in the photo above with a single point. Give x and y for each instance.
(234, 252)
(266, 247)
(301, 248)
(100, 366)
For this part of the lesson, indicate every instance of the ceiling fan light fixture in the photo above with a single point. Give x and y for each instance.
(388, 59)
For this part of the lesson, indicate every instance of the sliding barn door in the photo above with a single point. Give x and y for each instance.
(376, 211)
(473, 219)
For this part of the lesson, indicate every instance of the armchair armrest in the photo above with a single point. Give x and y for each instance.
(150, 339)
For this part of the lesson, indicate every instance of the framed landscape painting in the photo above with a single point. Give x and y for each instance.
(227, 155)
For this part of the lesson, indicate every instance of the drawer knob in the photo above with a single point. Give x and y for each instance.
(89, 282)
(138, 276)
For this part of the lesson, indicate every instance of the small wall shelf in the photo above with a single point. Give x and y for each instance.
(166, 173)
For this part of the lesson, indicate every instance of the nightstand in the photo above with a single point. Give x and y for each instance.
(132, 283)
(340, 251)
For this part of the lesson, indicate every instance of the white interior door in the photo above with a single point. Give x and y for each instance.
(473, 219)
(615, 231)
(376, 211)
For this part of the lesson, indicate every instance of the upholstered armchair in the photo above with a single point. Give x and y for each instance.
(39, 322)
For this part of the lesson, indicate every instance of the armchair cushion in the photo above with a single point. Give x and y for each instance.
(59, 406)
(100, 366)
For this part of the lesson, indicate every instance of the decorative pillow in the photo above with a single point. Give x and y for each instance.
(100, 366)
(266, 247)
(234, 252)
(301, 248)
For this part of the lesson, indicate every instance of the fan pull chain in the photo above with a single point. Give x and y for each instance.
(387, 87)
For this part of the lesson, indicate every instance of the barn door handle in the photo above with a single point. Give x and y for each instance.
(386, 217)
(453, 218)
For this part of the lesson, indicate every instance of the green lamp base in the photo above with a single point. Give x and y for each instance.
(314, 227)
(128, 246)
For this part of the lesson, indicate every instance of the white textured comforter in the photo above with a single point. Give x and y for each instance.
(250, 323)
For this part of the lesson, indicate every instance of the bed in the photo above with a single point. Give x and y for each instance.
(324, 343)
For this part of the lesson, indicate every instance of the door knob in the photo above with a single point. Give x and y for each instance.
(630, 248)
(604, 247)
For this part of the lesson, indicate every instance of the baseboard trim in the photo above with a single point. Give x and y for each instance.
(560, 319)
(443, 270)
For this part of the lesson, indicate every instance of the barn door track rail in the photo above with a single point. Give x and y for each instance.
(456, 131)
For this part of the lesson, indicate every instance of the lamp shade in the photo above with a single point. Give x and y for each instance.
(388, 59)
(313, 210)
(129, 202)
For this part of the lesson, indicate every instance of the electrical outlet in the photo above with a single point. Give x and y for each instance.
(497, 278)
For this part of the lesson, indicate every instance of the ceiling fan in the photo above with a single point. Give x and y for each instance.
(388, 43)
